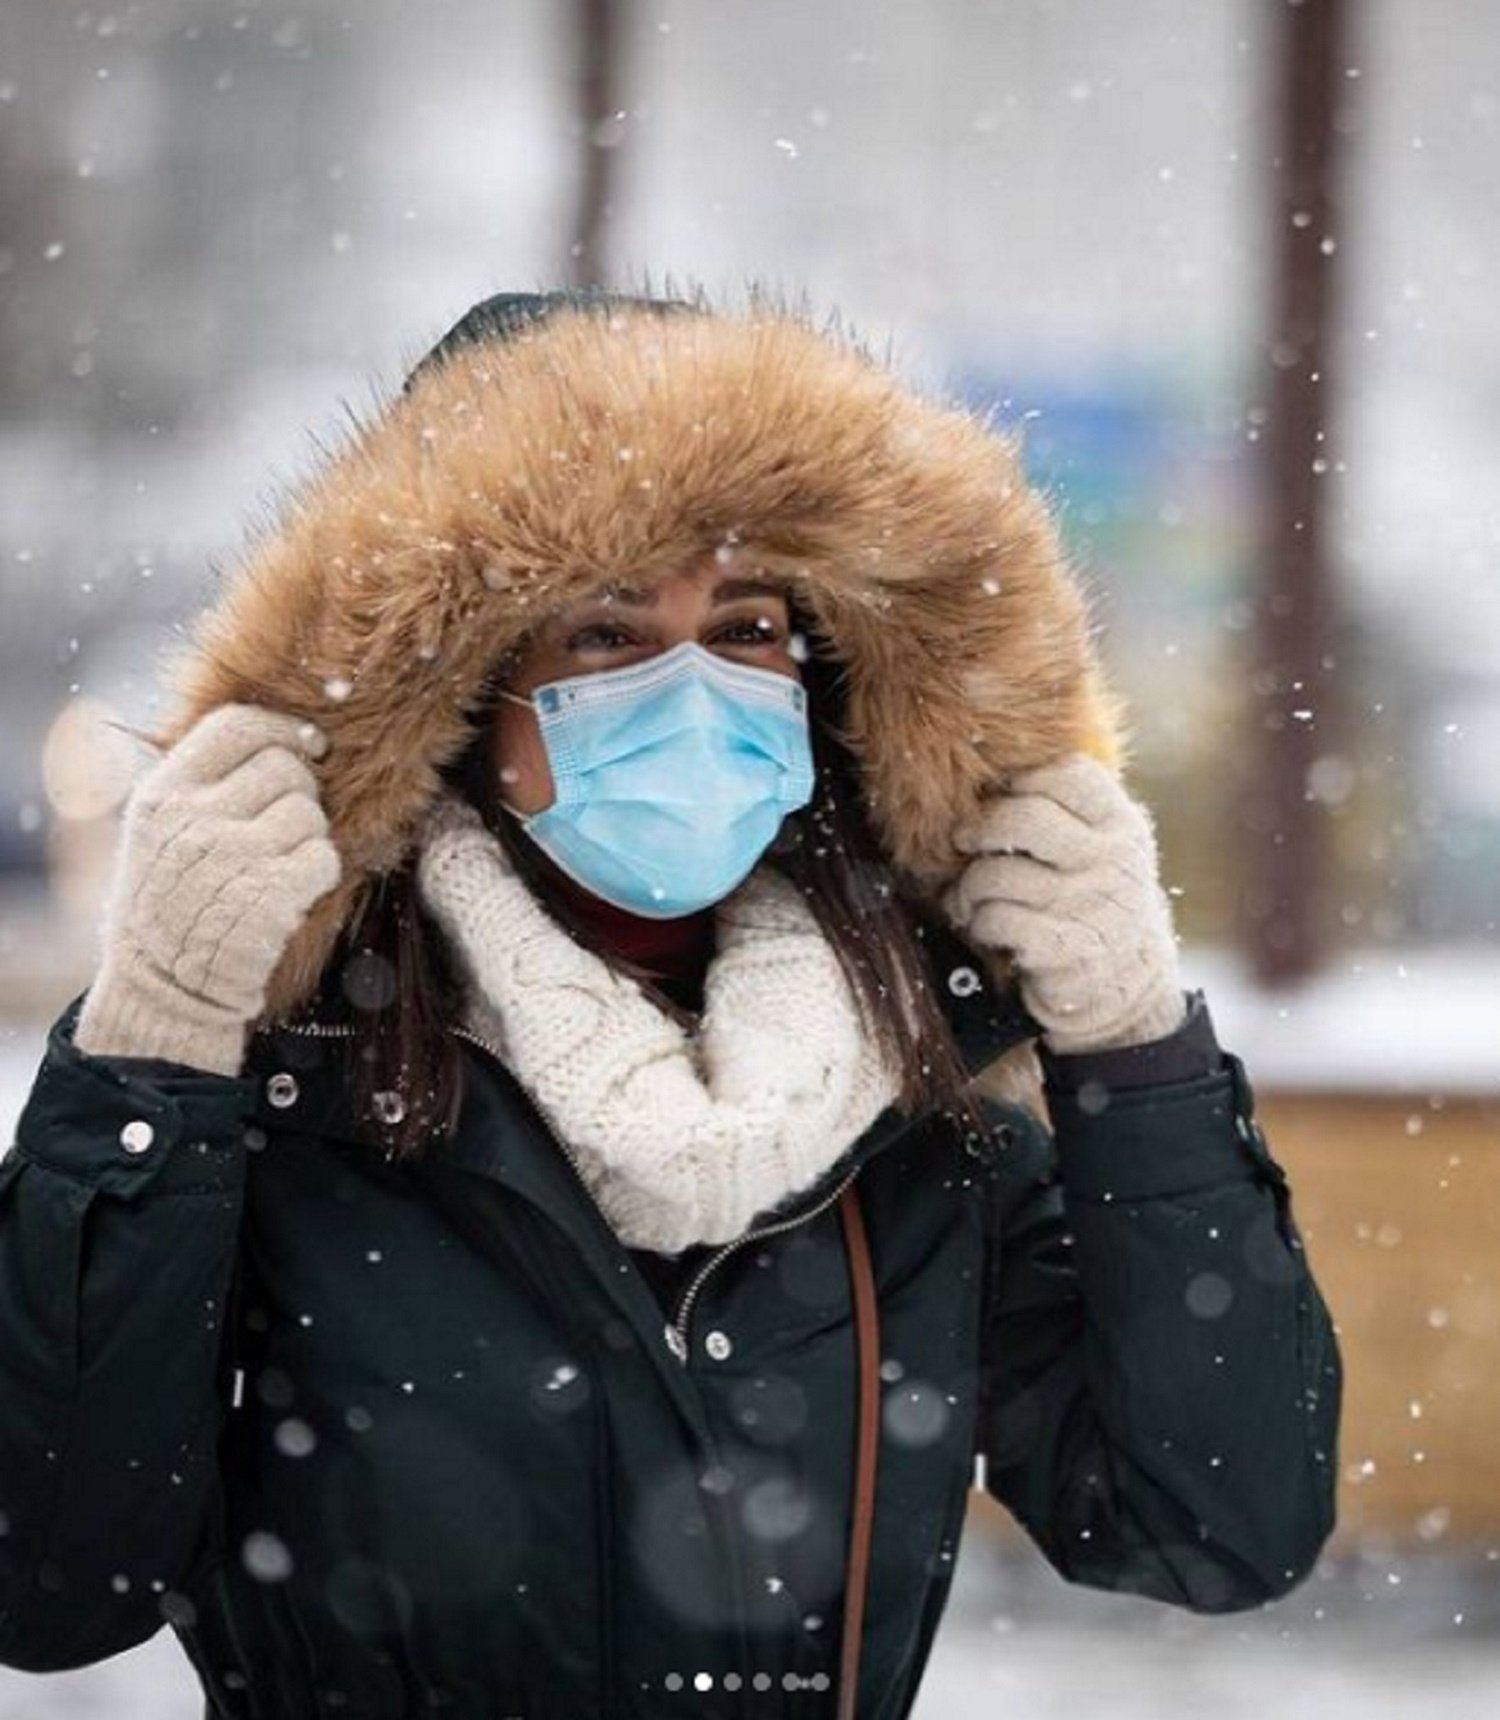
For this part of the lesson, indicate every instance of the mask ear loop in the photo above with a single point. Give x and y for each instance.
(521, 818)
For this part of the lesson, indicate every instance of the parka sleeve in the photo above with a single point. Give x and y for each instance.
(120, 1204)
(1160, 1379)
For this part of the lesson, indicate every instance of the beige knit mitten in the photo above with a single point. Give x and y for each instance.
(1065, 876)
(223, 849)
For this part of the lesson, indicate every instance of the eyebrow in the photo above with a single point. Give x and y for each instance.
(726, 591)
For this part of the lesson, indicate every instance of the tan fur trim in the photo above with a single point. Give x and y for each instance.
(518, 476)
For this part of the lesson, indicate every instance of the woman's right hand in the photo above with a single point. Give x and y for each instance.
(223, 850)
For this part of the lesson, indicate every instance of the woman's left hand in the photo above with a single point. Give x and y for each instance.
(1065, 876)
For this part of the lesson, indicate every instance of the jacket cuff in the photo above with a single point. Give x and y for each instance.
(104, 1122)
(1188, 1053)
(1157, 1142)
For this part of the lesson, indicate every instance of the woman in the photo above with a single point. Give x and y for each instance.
(638, 1050)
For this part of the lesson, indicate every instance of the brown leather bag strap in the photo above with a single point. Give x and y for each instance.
(867, 1339)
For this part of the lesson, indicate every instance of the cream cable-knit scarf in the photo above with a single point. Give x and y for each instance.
(682, 1138)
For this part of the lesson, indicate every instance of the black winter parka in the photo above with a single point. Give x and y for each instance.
(383, 1440)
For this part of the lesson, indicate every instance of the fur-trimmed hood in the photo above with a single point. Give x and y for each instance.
(604, 441)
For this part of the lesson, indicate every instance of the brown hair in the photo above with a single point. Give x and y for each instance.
(404, 989)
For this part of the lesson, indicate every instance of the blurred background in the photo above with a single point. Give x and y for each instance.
(1230, 268)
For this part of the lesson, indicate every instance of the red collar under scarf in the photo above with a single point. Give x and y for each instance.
(677, 950)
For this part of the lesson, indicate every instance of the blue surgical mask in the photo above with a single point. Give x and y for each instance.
(672, 776)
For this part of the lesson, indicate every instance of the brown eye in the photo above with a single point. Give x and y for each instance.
(754, 630)
(599, 636)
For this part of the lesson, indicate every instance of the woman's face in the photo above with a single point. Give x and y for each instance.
(728, 610)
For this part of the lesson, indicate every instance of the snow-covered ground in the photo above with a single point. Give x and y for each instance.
(1388, 1019)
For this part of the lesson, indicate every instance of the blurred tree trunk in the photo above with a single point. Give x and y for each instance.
(599, 27)
(1283, 919)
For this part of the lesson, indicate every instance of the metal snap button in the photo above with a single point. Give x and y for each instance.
(675, 1343)
(718, 1345)
(137, 1135)
(390, 1108)
(282, 1090)
(964, 982)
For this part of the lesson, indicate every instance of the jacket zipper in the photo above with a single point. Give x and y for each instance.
(677, 1329)
(690, 1295)
(567, 1151)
